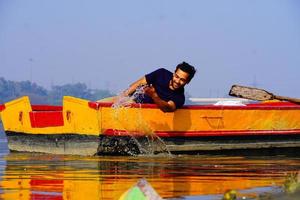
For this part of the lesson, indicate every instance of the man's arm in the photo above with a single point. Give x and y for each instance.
(165, 106)
(133, 86)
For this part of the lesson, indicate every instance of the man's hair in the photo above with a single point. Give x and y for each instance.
(186, 67)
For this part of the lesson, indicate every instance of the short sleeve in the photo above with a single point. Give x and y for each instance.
(151, 77)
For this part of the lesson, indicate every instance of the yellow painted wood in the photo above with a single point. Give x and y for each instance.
(82, 119)
(15, 116)
(149, 120)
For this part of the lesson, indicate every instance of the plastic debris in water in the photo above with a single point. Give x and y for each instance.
(142, 190)
(230, 195)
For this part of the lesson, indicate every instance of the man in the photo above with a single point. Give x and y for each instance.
(164, 88)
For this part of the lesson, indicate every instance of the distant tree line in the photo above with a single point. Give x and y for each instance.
(10, 90)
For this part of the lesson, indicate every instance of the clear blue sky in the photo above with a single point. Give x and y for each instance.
(109, 44)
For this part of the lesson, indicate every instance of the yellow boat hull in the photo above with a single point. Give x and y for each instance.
(88, 128)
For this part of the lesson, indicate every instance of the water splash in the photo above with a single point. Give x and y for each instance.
(151, 142)
(123, 100)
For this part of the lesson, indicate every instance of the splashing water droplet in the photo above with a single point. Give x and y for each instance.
(125, 101)
(152, 141)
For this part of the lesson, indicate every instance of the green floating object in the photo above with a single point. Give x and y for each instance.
(135, 194)
(142, 190)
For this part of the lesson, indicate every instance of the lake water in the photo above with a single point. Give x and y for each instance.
(41, 176)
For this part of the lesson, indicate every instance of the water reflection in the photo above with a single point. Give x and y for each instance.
(40, 176)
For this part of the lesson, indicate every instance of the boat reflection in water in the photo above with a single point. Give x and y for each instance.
(40, 176)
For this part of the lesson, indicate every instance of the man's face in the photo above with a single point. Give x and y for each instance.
(180, 78)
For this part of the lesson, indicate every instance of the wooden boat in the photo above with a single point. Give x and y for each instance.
(84, 127)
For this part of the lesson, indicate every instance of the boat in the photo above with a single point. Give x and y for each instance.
(83, 127)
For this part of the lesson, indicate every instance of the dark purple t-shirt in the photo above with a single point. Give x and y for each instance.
(160, 80)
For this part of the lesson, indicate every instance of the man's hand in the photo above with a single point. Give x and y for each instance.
(150, 91)
(163, 105)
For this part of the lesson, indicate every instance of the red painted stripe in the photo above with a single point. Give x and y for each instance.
(46, 108)
(260, 106)
(97, 105)
(2, 107)
(42, 119)
(93, 105)
(248, 107)
(276, 103)
(112, 132)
